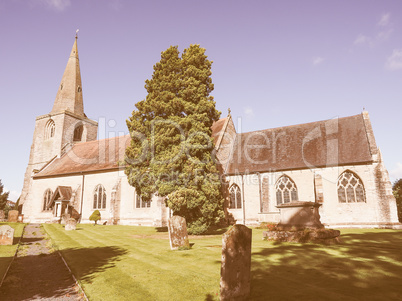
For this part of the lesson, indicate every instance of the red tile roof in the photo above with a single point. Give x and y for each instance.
(331, 142)
(318, 144)
(89, 157)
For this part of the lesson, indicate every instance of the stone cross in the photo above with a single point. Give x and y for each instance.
(71, 224)
(6, 235)
(178, 233)
(13, 216)
(236, 264)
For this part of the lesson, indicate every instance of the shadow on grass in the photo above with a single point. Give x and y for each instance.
(161, 229)
(46, 276)
(365, 267)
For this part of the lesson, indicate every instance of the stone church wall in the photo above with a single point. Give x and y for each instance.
(333, 213)
(156, 215)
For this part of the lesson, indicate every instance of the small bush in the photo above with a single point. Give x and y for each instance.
(267, 226)
(95, 216)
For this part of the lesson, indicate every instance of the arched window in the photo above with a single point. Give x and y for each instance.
(286, 190)
(235, 197)
(350, 188)
(140, 203)
(47, 197)
(99, 197)
(78, 133)
(50, 129)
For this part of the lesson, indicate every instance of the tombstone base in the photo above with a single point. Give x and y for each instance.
(323, 236)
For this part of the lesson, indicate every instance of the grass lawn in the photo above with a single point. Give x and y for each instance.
(7, 252)
(135, 263)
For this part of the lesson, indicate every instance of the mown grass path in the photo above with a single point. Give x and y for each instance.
(7, 252)
(38, 272)
(136, 263)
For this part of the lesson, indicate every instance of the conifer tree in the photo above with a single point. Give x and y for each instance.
(3, 197)
(171, 151)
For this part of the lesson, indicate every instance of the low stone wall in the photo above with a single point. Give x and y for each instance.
(324, 236)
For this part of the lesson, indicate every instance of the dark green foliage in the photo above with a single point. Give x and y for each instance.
(3, 197)
(95, 216)
(397, 190)
(171, 151)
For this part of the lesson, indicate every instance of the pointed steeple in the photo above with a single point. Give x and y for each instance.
(69, 94)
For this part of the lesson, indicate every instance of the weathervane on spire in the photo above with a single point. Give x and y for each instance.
(76, 33)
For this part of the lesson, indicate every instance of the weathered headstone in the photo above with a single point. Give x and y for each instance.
(6, 235)
(71, 224)
(236, 263)
(2, 215)
(13, 216)
(178, 233)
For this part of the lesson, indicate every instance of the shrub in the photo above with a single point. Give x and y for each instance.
(95, 216)
(268, 226)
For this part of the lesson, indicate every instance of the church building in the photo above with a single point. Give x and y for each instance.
(333, 162)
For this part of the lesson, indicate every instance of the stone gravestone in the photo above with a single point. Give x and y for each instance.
(2, 215)
(71, 224)
(178, 233)
(236, 263)
(6, 235)
(13, 216)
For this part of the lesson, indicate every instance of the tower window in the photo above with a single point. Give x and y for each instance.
(78, 133)
(50, 129)
(286, 190)
(235, 197)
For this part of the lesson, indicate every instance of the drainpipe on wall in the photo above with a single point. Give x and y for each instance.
(242, 192)
(259, 190)
(82, 195)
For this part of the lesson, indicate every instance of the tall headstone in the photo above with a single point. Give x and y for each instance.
(6, 235)
(13, 216)
(236, 263)
(178, 233)
(2, 215)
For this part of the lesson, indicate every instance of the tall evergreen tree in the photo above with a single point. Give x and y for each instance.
(3, 197)
(171, 151)
(397, 190)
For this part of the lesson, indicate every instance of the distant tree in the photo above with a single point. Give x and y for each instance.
(95, 216)
(397, 191)
(171, 151)
(3, 197)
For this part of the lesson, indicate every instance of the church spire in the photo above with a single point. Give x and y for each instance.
(69, 94)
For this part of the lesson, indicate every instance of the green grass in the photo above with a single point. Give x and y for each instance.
(7, 252)
(136, 263)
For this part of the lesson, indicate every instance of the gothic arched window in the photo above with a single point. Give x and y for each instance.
(50, 129)
(78, 133)
(350, 188)
(99, 197)
(235, 197)
(286, 190)
(140, 203)
(47, 197)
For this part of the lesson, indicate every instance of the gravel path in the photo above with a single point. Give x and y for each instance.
(38, 272)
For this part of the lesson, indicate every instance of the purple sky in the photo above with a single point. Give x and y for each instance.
(276, 63)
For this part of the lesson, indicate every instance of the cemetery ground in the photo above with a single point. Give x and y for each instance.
(136, 263)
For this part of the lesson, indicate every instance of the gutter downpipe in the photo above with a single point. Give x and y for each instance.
(82, 195)
(242, 192)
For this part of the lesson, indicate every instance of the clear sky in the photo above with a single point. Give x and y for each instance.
(276, 63)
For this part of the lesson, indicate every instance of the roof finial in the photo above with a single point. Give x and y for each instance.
(229, 111)
(76, 33)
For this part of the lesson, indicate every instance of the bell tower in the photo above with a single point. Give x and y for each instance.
(65, 125)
